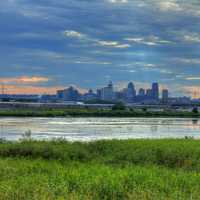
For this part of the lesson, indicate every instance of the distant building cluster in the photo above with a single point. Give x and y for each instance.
(128, 95)
(106, 95)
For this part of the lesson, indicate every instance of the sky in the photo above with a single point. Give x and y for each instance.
(47, 45)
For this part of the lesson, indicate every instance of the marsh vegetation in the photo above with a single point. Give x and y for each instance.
(126, 169)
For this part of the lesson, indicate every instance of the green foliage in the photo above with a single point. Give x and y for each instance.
(27, 135)
(118, 110)
(119, 106)
(166, 153)
(128, 169)
(144, 109)
(195, 110)
(99, 101)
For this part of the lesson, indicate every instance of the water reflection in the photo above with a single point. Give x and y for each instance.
(154, 128)
(195, 121)
(85, 129)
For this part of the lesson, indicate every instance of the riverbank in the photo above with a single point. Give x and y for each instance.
(126, 169)
(88, 112)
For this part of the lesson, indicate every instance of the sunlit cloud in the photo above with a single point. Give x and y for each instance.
(16, 89)
(41, 90)
(24, 79)
(169, 5)
(193, 91)
(182, 7)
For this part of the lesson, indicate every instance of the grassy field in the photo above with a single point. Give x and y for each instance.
(91, 112)
(128, 169)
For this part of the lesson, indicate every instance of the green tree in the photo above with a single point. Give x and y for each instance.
(119, 106)
(195, 110)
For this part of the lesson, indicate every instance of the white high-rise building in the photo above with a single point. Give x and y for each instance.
(107, 93)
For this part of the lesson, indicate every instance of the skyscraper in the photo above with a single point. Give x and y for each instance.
(107, 93)
(141, 92)
(130, 92)
(155, 91)
(149, 94)
(90, 95)
(165, 96)
(71, 94)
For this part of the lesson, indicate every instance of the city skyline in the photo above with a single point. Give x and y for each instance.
(108, 94)
(47, 46)
(117, 87)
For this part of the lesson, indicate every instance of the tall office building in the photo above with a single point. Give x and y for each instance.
(130, 92)
(155, 91)
(90, 95)
(107, 93)
(69, 94)
(149, 93)
(60, 94)
(165, 96)
(141, 92)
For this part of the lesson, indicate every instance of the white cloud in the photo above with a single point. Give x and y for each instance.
(169, 5)
(108, 43)
(74, 34)
(187, 7)
(192, 61)
(118, 1)
(93, 62)
(192, 37)
(81, 36)
(122, 46)
(193, 78)
(150, 41)
(150, 65)
(113, 44)
(135, 39)
(186, 36)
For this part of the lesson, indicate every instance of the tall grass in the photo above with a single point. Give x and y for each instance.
(172, 153)
(127, 169)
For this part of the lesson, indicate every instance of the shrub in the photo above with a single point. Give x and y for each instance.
(195, 110)
(119, 106)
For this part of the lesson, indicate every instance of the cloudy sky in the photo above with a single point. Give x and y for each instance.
(50, 44)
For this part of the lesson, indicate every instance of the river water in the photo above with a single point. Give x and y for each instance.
(86, 129)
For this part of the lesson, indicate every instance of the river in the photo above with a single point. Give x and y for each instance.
(87, 129)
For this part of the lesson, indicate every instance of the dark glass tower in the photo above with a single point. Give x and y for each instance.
(131, 92)
(155, 91)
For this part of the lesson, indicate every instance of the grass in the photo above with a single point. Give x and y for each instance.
(92, 112)
(127, 169)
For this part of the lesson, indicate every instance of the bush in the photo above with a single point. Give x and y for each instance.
(119, 106)
(195, 110)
